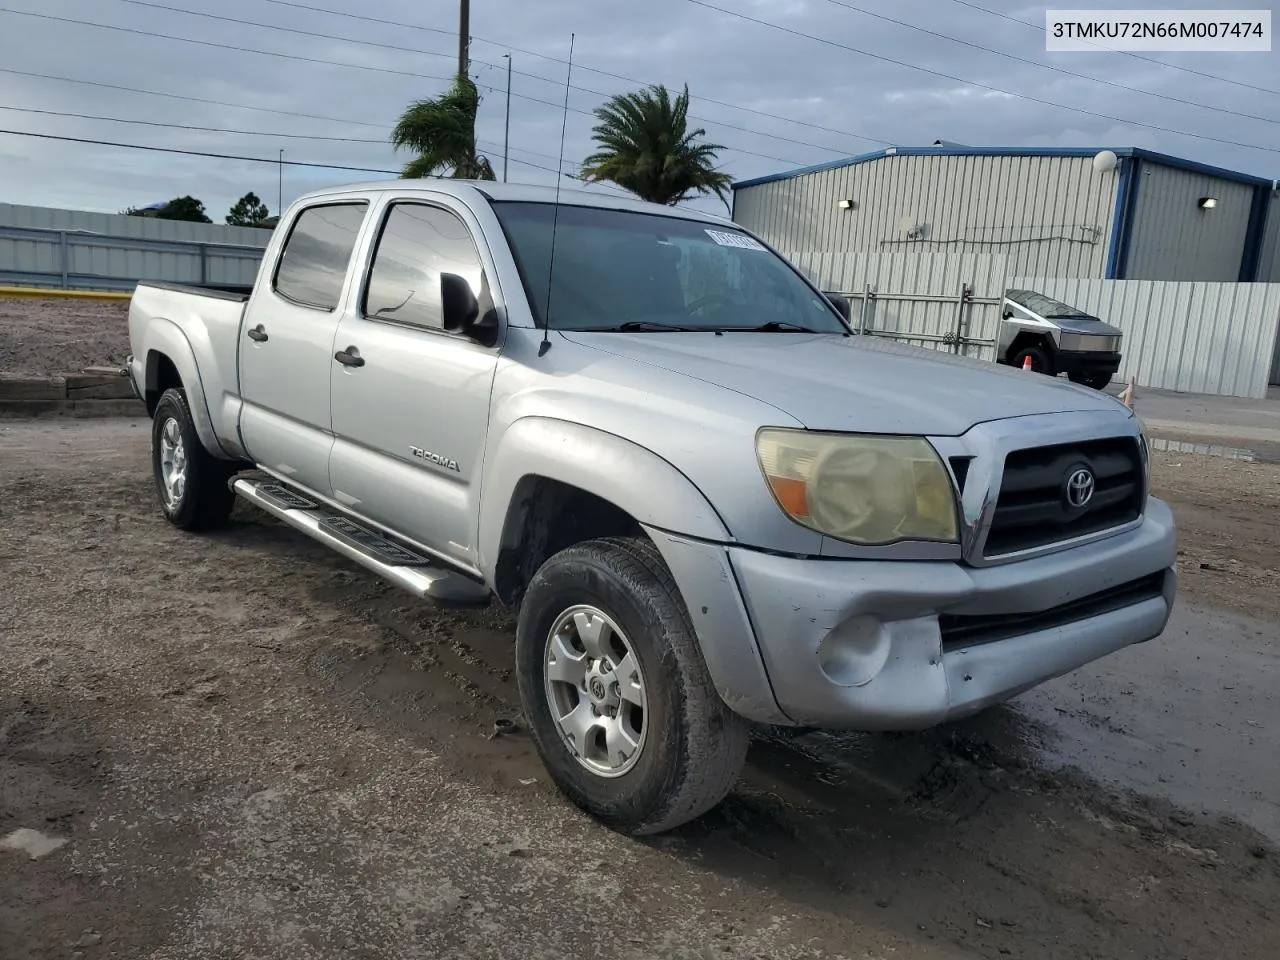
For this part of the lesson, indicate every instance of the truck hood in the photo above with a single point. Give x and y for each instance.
(857, 383)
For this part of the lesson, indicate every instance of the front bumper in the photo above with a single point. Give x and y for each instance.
(1086, 362)
(858, 644)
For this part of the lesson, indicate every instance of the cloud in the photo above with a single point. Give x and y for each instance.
(814, 101)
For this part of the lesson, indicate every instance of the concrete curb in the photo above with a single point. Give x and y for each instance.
(99, 392)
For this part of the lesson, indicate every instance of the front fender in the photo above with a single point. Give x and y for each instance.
(167, 338)
(625, 474)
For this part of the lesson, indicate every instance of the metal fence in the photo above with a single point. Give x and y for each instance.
(945, 301)
(83, 260)
(1216, 338)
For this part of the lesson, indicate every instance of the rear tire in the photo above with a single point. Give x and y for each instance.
(1041, 361)
(1099, 381)
(192, 484)
(653, 745)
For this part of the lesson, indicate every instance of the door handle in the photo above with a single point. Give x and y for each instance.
(349, 357)
(257, 334)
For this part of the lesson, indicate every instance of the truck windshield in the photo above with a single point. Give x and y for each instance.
(1046, 307)
(619, 270)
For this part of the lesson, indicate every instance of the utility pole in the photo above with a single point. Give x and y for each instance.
(506, 136)
(280, 186)
(464, 36)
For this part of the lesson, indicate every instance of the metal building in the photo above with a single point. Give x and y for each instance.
(1119, 213)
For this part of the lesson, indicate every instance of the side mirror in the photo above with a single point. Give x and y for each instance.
(459, 307)
(841, 303)
(1008, 314)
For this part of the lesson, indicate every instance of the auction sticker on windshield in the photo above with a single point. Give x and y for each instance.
(726, 239)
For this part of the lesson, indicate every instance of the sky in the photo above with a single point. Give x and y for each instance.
(775, 100)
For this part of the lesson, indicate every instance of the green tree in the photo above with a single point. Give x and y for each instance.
(248, 211)
(442, 132)
(179, 208)
(645, 146)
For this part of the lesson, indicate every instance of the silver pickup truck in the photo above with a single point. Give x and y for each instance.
(710, 502)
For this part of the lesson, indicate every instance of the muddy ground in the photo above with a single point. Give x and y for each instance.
(43, 337)
(254, 749)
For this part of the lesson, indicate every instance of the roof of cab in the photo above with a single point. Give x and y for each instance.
(515, 192)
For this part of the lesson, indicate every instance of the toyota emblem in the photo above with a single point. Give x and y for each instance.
(1080, 485)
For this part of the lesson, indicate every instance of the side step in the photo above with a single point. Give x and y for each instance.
(402, 565)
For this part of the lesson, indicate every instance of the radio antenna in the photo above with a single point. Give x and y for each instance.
(555, 214)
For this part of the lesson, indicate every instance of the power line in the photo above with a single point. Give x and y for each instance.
(973, 83)
(197, 153)
(327, 63)
(432, 53)
(604, 73)
(217, 103)
(1039, 28)
(1045, 66)
(252, 133)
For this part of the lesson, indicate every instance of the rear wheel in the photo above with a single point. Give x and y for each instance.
(1041, 362)
(1099, 381)
(618, 699)
(192, 484)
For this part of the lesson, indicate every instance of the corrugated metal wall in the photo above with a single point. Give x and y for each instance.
(1173, 239)
(1269, 262)
(1216, 338)
(114, 224)
(79, 250)
(1048, 215)
(916, 298)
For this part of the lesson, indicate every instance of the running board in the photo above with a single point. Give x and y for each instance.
(400, 564)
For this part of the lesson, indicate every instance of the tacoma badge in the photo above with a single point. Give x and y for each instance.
(435, 458)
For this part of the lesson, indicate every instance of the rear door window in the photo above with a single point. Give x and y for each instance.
(313, 265)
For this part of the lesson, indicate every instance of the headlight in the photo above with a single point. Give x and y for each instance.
(867, 490)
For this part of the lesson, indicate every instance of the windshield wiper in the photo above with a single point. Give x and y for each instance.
(632, 326)
(771, 327)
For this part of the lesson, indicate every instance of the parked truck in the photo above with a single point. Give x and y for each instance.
(711, 504)
(1052, 337)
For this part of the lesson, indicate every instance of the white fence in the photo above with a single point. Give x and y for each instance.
(74, 249)
(1216, 338)
(945, 301)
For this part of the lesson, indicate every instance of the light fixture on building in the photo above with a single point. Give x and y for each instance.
(844, 204)
(1208, 203)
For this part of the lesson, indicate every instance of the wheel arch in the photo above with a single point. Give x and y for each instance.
(1025, 339)
(171, 362)
(551, 479)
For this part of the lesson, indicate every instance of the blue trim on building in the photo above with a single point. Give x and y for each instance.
(1255, 234)
(1119, 220)
(1130, 209)
(1136, 153)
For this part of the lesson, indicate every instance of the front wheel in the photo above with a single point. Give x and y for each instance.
(1041, 361)
(191, 483)
(618, 699)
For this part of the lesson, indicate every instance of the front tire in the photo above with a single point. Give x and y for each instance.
(1041, 361)
(191, 483)
(618, 699)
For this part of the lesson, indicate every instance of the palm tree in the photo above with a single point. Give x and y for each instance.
(645, 146)
(443, 134)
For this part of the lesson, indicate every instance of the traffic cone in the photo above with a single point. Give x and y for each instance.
(1127, 395)
(1026, 363)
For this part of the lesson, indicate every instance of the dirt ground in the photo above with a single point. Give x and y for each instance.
(43, 337)
(252, 748)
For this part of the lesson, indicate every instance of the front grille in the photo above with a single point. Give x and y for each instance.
(960, 631)
(1033, 508)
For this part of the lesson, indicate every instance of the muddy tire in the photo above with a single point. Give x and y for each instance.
(192, 485)
(618, 699)
(1041, 362)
